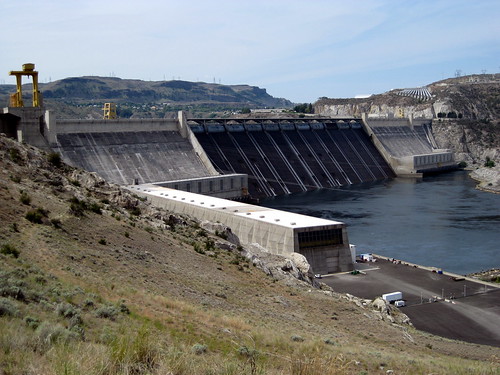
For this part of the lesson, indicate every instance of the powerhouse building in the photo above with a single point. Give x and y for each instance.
(323, 242)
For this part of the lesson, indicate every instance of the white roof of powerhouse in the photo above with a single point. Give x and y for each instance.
(264, 214)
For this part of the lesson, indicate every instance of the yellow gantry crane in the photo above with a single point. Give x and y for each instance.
(109, 111)
(16, 100)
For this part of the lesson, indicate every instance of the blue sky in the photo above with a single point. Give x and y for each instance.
(296, 49)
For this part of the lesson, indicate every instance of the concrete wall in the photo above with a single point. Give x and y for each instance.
(277, 231)
(378, 144)
(230, 186)
(30, 126)
(118, 125)
(187, 133)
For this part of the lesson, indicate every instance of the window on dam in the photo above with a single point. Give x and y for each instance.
(319, 238)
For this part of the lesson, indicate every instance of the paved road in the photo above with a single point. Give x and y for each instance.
(473, 314)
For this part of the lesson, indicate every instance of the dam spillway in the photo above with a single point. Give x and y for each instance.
(402, 141)
(286, 156)
(124, 157)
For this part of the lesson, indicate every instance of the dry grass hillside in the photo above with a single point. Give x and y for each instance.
(95, 281)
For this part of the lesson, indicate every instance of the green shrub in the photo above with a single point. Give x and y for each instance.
(32, 322)
(9, 249)
(462, 164)
(245, 351)
(489, 163)
(36, 216)
(136, 211)
(15, 156)
(102, 241)
(49, 334)
(16, 179)
(54, 158)
(198, 248)
(124, 309)
(95, 208)
(222, 235)
(199, 349)
(56, 223)
(201, 233)
(209, 244)
(107, 312)
(66, 310)
(77, 207)
(24, 198)
(329, 342)
(13, 291)
(7, 307)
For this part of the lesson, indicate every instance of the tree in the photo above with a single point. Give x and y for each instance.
(489, 163)
(124, 112)
(304, 108)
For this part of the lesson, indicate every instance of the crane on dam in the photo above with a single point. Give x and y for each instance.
(16, 99)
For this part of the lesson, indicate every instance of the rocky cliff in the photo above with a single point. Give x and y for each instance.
(472, 97)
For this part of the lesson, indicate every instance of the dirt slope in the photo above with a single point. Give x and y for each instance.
(190, 285)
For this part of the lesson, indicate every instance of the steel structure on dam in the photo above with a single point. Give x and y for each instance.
(283, 156)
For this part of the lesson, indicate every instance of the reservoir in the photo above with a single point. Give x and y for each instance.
(438, 221)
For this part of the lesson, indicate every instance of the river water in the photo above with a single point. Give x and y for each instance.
(440, 221)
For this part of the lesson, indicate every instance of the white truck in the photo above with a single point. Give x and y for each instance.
(395, 298)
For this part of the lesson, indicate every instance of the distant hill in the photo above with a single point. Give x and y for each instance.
(82, 97)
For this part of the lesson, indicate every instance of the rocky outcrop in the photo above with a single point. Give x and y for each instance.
(471, 141)
(488, 178)
(374, 109)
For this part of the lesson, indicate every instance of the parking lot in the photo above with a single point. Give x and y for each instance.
(447, 305)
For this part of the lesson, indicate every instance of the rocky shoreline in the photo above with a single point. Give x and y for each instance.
(492, 275)
(488, 179)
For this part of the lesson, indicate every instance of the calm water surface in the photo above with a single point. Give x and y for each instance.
(439, 221)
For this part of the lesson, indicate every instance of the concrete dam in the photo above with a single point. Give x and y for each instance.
(291, 155)
(186, 165)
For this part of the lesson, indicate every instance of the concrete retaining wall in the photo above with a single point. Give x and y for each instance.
(277, 231)
(118, 125)
(230, 186)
